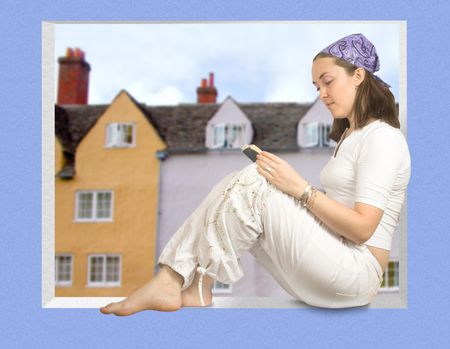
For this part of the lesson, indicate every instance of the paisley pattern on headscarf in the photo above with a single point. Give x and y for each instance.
(358, 50)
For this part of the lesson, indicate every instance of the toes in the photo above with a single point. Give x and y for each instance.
(110, 308)
(119, 309)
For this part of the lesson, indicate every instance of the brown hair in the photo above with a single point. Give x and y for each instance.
(372, 99)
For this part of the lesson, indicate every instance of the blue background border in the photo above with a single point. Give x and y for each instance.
(23, 323)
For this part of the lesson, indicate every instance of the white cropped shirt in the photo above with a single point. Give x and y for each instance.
(372, 166)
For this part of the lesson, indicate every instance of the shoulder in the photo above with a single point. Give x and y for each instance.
(384, 135)
(384, 142)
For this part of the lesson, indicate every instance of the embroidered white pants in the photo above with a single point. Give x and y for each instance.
(243, 212)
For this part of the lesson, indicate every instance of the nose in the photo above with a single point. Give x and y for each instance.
(322, 93)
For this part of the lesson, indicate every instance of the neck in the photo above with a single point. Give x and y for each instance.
(353, 126)
(351, 120)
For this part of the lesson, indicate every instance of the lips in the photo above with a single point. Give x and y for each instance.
(328, 105)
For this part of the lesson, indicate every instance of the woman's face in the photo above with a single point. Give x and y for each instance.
(336, 88)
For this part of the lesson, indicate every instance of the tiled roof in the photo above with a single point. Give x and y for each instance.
(72, 122)
(183, 127)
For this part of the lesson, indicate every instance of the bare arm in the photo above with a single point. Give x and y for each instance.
(356, 224)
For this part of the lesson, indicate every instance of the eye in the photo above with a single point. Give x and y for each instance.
(326, 83)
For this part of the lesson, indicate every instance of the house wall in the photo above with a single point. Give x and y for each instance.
(59, 156)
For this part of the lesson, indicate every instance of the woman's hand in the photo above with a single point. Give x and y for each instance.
(280, 174)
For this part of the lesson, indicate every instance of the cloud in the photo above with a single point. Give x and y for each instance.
(252, 61)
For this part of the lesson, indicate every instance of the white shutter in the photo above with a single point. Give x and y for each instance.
(115, 134)
(219, 135)
(120, 136)
(109, 135)
(312, 134)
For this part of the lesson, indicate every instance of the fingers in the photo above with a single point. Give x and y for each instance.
(265, 165)
(264, 173)
(271, 157)
(265, 160)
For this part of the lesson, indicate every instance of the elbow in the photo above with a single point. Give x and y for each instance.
(360, 240)
(365, 237)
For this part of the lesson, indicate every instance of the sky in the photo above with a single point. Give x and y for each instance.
(162, 63)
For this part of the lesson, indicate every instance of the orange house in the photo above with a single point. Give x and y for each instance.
(106, 203)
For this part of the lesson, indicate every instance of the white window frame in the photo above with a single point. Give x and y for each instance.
(104, 283)
(311, 125)
(110, 142)
(216, 290)
(60, 283)
(386, 288)
(94, 206)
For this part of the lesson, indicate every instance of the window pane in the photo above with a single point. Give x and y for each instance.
(234, 135)
(112, 268)
(63, 264)
(129, 139)
(216, 134)
(103, 205)
(391, 276)
(219, 135)
(312, 135)
(328, 130)
(96, 272)
(227, 136)
(220, 286)
(85, 203)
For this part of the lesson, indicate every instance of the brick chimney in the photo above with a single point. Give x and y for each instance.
(73, 78)
(207, 93)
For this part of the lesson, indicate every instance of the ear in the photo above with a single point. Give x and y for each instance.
(359, 76)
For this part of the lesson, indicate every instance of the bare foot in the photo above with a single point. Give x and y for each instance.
(162, 293)
(190, 297)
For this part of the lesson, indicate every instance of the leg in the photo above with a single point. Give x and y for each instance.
(227, 222)
(162, 293)
(190, 297)
(178, 263)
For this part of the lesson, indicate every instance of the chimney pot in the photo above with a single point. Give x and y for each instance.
(203, 82)
(69, 53)
(211, 79)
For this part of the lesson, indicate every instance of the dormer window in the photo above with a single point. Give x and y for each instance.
(317, 134)
(228, 135)
(120, 135)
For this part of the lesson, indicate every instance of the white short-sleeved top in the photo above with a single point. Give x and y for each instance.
(373, 166)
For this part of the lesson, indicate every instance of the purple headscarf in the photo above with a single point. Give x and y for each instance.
(358, 50)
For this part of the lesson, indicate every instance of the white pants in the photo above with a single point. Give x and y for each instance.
(243, 212)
